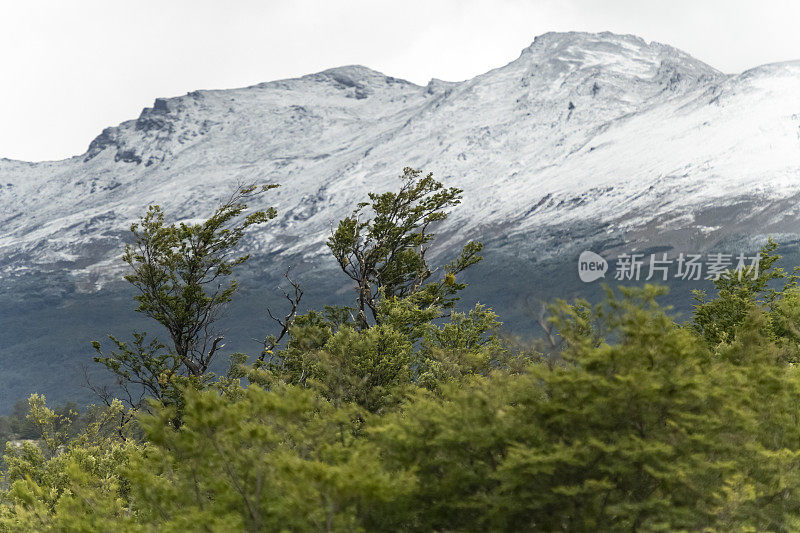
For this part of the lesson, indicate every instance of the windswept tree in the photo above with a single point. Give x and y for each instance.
(183, 274)
(382, 246)
(764, 286)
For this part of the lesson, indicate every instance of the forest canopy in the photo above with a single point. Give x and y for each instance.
(409, 410)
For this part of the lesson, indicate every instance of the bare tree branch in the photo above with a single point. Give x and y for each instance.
(294, 301)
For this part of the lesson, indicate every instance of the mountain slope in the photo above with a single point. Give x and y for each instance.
(580, 126)
(585, 140)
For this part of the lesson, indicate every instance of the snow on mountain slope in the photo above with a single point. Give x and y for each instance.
(582, 130)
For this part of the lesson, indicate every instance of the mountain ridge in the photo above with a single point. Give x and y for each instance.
(584, 142)
(562, 121)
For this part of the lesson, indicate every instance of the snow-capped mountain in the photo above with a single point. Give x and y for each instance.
(585, 141)
(599, 129)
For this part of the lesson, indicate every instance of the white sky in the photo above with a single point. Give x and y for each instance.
(70, 68)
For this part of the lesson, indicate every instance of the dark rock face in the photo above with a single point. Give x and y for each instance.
(107, 138)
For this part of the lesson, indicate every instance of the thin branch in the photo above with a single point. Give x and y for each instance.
(294, 301)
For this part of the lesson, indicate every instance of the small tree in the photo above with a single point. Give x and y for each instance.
(740, 291)
(182, 272)
(385, 253)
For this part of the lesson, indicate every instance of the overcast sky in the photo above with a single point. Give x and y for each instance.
(70, 68)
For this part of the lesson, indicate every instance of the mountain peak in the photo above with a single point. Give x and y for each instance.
(624, 56)
(583, 36)
(561, 42)
(597, 48)
(355, 76)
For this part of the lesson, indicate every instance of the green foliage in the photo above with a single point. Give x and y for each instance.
(738, 292)
(18, 426)
(370, 368)
(148, 365)
(385, 253)
(422, 421)
(77, 484)
(182, 274)
(642, 425)
(466, 345)
(279, 460)
(376, 367)
(651, 432)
